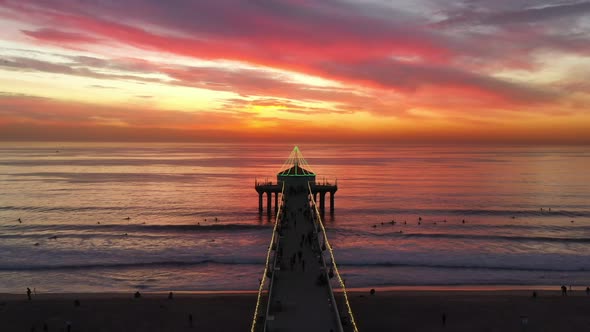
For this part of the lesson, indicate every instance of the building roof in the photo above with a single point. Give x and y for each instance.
(296, 165)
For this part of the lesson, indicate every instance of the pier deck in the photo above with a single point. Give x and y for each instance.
(297, 301)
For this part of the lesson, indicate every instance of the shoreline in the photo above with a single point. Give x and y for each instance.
(398, 309)
(360, 290)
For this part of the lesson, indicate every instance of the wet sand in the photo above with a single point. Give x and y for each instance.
(385, 311)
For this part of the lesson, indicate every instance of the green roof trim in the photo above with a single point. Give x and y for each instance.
(296, 165)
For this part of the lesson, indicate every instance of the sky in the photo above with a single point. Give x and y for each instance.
(411, 71)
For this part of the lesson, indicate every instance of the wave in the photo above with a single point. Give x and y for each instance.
(489, 237)
(130, 228)
(181, 264)
(474, 212)
(473, 236)
(93, 266)
(463, 267)
(460, 213)
(66, 208)
(40, 232)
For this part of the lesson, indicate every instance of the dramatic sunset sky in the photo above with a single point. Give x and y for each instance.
(502, 71)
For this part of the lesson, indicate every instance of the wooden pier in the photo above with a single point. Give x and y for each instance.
(300, 263)
(319, 191)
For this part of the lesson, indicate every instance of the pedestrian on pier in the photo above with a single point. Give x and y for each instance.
(303, 265)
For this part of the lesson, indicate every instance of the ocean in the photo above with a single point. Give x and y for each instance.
(464, 215)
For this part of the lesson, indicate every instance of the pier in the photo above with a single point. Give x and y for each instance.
(300, 263)
(295, 175)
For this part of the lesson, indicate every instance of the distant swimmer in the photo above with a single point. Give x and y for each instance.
(36, 244)
(374, 226)
(420, 218)
(405, 222)
(419, 223)
(572, 221)
(19, 221)
(463, 221)
(216, 219)
(513, 217)
(125, 234)
(53, 237)
(98, 222)
(128, 218)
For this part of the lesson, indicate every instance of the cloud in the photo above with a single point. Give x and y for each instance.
(494, 13)
(28, 64)
(540, 14)
(60, 37)
(384, 61)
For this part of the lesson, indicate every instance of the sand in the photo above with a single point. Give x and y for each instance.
(385, 311)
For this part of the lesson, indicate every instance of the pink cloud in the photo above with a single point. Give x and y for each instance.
(60, 37)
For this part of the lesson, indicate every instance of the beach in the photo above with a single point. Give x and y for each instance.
(400, 310)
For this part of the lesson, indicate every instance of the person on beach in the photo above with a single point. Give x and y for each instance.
(29, 293)
(588, 291)
(563, 290)
(444, 319)
(170, 296)
(190, 320)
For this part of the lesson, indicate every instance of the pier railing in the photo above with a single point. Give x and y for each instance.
(318, 219)
(266, 265)
(324, 266)
(276, 245)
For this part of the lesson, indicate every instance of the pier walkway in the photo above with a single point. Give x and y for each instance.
(299, 299)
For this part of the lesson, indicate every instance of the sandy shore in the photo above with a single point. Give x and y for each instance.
(385, 311)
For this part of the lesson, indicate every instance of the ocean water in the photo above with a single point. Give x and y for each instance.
(194, 222)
